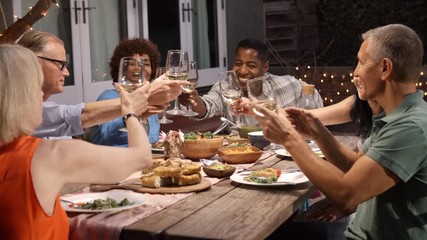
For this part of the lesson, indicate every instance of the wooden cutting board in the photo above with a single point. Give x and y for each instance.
(203, 185)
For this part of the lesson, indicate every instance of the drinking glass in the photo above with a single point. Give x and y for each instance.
(177, 67)
(164, 119)
(131, 73)
(193, 78)
(230, 89)
(261, 91)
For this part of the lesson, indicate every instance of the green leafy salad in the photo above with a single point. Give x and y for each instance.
(198, 135)
(100, 204)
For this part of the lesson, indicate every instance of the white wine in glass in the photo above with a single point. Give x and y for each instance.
(230, 89)
(193, 79)
(261, 90)
(131, 73)
(164, 119)
(177, 66)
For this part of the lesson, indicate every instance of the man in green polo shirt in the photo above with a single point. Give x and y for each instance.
(387, 180)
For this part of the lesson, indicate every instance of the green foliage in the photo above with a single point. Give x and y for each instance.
(342, 22)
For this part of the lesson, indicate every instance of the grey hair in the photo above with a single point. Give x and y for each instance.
(37, 41)
(401, 45)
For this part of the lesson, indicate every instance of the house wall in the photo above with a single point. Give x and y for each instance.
(244, 19)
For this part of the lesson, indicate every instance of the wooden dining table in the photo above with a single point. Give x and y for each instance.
(228, 210)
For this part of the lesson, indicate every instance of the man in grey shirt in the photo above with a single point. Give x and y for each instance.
(70, 120)
(251, 61)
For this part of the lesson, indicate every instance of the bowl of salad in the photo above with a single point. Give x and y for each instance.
(219, 170)
(201, 145)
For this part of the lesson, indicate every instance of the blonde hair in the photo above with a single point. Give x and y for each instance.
(401, 45)
(21, 79)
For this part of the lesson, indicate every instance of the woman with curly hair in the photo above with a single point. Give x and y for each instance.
(108, 133)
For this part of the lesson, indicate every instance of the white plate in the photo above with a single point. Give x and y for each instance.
(284, 179)
(283, 152)
(118, 195)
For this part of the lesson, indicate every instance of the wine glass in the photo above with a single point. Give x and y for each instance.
(230, 89)
(131, 73)
(177, 69)
(193, 78)
(164, 119)
(261, 91)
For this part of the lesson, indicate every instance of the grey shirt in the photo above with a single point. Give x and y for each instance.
(60, 120)
(288, 94)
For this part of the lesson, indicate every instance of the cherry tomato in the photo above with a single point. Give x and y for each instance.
(278, 172)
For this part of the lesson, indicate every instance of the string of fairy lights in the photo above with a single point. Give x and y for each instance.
(333, 83)
(336, 83)
(43, 13)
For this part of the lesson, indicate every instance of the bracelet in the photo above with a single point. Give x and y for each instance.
(127, 116)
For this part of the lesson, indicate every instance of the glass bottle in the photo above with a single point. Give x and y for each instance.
(307, 97)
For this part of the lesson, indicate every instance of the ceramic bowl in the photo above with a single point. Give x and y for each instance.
(238, 155)
(201, 148)
(219, 170)
(257, 140)
(244, 130)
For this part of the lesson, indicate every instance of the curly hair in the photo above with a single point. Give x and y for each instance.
(129, 47)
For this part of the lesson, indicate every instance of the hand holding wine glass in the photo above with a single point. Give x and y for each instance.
(229, 86)
(230, 89)
(131, 73)
(261, 91)
(193, 79)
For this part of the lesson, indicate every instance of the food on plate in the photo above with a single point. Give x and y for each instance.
(156, 162)
(238, 149)
(198, 135)
(220, 166)
(154, 181)
(191, 168)
(184, 180)
(267, 175)
(219, 170)
(171, 172)
(100, 204)
(166, 171)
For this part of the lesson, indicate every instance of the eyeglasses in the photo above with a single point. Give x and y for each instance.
(62, 64)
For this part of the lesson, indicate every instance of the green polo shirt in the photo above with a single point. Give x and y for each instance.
(398, 142)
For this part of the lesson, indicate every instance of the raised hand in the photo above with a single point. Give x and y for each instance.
(135, 102)
(242, 106)
(188, 99)
(163, 91)
(275, 125)
(304, 122)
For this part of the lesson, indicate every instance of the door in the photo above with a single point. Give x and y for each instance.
(197, 26)
(90, 29)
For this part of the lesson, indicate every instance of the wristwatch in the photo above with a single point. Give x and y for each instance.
(127, 116)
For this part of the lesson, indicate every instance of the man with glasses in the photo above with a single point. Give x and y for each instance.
(71, 120)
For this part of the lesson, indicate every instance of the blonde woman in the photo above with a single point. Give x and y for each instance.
(33, 170)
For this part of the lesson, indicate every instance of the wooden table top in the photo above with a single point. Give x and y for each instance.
(228, 210)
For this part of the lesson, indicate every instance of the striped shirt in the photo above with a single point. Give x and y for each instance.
(288, 94)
